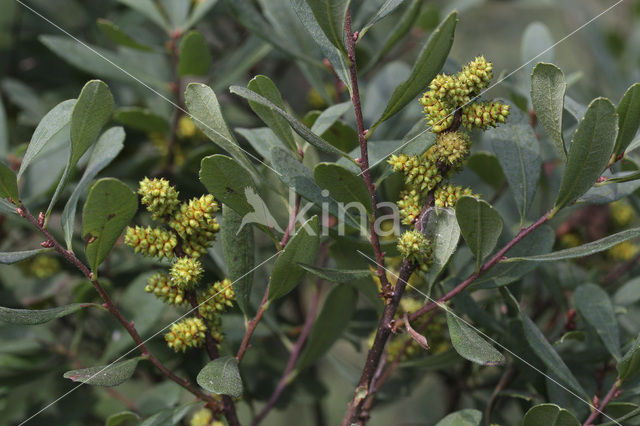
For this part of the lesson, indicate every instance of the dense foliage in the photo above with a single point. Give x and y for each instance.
(319, 212)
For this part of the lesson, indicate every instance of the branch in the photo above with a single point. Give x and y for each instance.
(488, 265)
(113, 309)
(613, 393)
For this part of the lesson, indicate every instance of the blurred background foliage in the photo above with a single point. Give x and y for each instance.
(41, 66)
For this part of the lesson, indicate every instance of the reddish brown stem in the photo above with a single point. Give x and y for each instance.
(613, 393)
(292, 223)
(113, 309)
(364, 153)
(251, 326)
(488, 265)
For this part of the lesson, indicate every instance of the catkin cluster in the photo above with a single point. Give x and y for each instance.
(190, 227)
(448, 93)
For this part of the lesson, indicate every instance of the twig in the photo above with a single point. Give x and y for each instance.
(113, 309)
(613, 393)
(620, 270)
(251, 326)
(292, 222)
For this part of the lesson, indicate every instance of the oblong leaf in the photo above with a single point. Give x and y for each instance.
(590, 150)
(338, 276)
(548, 355)
(470, 345)
(10, 257)
(39, 316)
(517, 149)
(330, 15)
(238, 249)
(547, 97)
(141, 119)
(480, 225)
(227, 181)
(343, 185)
(262, 85)
(110, 206)
(332, 321)
(549, 415)
(118, 36)
(296, 125)
(443, 225)
(429, 63)
(628, 118)
(583, 250)
(107, 148)
(8, 183)
(302, 248)
(388, 7)
(195, 58)
(204, 108)
(54, 125)
(105, 375)
(221, 376)
(629, 365)
(594, 305)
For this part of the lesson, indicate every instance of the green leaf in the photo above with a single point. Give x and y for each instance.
(629, 365)
(263, 86)
(338, 276)
(590, 150)
(53, 127)
(628, 118)
(583, 250)
(90, 113)
(168, 416)
(517, 149)
(343, 186)
(466, 417)
(110, 206)
(470, 345)
(488, 168)
(429, 63)
(105, 375)
(8, 183)
(331, 323)
(329, 116)
(480, 225)
(39, 316)
(221, 376)
(4, 131)
(297, 126)
(149, 9)
(141, 119)
(116, 35)
(595, 307)
(549, 415)
(442, 224)
(330, 15)
(548, 355)
(122, 418)
(199, 10)
(547, 97)
(203, 105)
(295, 175)
(10, 257)
(195, 58)
(628, 294)
(538, 242)
(302, 248)
(227, 181)
(107, 148)
(237, 63)
(388, 7)
(238, 248)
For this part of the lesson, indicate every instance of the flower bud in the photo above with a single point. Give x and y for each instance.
(188, 333)
(160, 197)
(416, 247)
(484, 114)
(452, 147)
(448, 195)
(161, 286)
(216, 299)
(154, 242)
(186, 272)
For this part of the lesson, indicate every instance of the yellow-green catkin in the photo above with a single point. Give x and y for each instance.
(202, 417)
(40, 266)
(196, 224)
(622, 213)
(186, 127)
(416, 247)
(410, 205)
(154, 242)
(484, 114)
(452, 148)
(449, 194)
(188, 333)
(161, 286)
(623, 251)
(160, 197)
(186, 272)
(216, 299)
